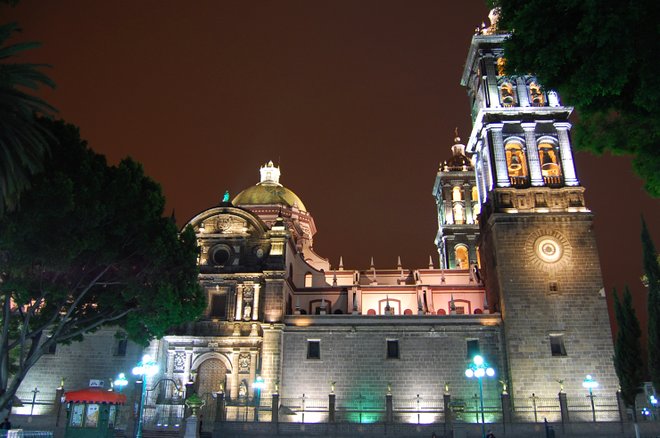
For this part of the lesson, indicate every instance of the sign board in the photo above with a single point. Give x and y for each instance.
(95, 383)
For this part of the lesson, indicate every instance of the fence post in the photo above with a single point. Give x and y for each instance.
(506, 409)
(623, 416)
(446, 398)
(220, 407)
(57, 406)
(331, 407)
(563, 407)
(275, 408)
(389, 410)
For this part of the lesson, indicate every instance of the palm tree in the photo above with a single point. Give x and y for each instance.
(23, 142)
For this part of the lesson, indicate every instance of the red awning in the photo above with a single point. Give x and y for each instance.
(95, 395)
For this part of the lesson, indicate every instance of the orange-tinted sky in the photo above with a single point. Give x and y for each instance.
(357, 101)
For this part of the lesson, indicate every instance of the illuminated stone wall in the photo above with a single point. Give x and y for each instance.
(432, 352)
(78, 363)
(549, 282)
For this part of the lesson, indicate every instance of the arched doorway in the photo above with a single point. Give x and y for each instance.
(211, 378)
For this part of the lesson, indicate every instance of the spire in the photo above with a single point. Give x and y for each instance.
(398, 262)
(372, 263)
(430, 262)
(341, 263)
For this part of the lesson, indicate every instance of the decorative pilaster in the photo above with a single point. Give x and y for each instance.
(567, 164)
(234, 374)
(501, 173)
(532, 154)
(491, 81)
(239, 303)
(523, 95)
(255, 307)
(253, 370)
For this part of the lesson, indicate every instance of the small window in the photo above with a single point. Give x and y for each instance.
(308, 279)
(553, 286)
(473, 348)
(557, 345)
(313, 349)
(120, 347)
(218, 305)
(392, 349)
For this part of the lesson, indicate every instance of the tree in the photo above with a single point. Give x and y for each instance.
(652, 272)
(601, 56)
(23, 141)
(89, 247)
(628, 352)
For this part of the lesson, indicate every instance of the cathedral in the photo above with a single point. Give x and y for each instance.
(518, 282)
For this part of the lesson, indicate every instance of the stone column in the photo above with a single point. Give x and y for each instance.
(331, 407)
(501, 172)
(532, 154)
(570, 177)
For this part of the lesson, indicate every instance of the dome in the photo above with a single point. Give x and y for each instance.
(458, 161)
(269, 191)
(268, 194)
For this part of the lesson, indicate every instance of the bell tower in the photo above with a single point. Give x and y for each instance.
(537, 245)
(457, 200)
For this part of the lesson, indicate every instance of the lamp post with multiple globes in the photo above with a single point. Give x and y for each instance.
(479, 369)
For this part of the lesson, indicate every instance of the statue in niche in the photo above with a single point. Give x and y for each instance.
(242, 389)
(248, 299)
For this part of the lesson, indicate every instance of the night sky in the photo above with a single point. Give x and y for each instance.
(356, 100)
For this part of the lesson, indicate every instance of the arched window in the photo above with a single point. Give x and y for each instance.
(536, 94)
(461, 260)
(459, 213)
(475, 193)
(456, 194)
(308, 279)
(516, 162)
(549, 158)
(507, 95)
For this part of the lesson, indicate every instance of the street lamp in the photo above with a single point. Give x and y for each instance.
(259, 384)
(120, 381)
(145, 368)
(589, 383)
(479, 368)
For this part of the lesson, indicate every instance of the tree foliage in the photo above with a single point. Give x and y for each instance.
(601, 55)
(627, 349)
(23, 141)
(652, 272)
(89, 247)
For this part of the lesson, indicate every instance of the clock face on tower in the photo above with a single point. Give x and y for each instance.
(548, 249)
